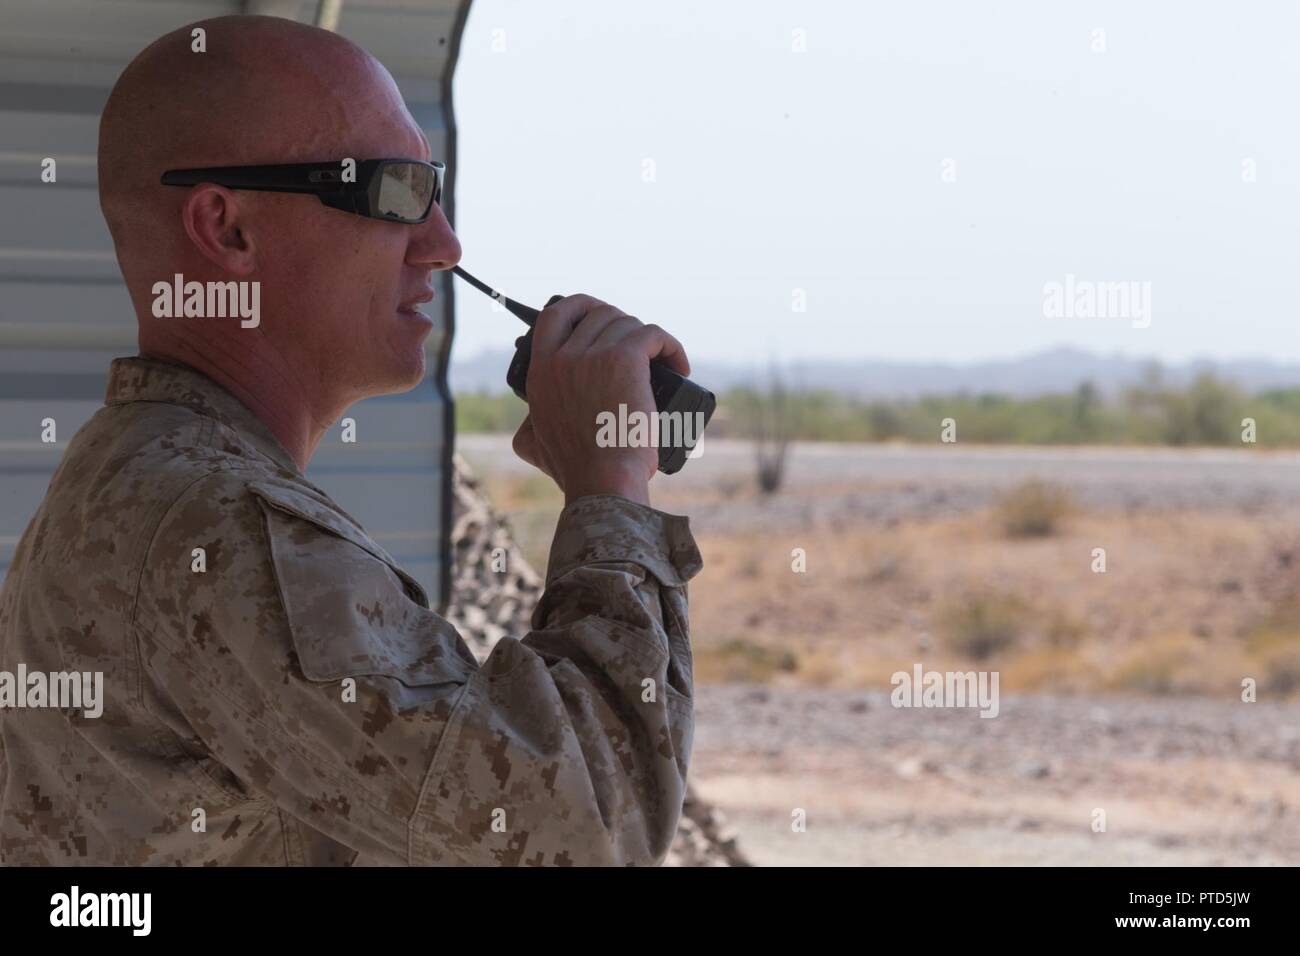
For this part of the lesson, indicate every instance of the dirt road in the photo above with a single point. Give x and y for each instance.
(849, 484)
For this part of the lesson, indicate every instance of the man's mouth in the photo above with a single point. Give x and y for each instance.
(412, 306)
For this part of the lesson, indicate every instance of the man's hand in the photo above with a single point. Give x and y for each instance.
(589, 357)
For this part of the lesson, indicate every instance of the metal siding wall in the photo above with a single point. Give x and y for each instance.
(64, 311)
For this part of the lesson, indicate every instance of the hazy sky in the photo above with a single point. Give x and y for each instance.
(824, 170)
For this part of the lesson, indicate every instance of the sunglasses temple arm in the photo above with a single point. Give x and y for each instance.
(238, 180)
(522, 312)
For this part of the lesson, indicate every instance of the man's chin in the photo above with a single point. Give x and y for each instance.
(407, 373)
(401, 372)
(408, 366)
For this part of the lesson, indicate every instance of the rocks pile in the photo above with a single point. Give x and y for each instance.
(487, 604)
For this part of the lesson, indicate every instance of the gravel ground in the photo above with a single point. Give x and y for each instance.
(1181, 781)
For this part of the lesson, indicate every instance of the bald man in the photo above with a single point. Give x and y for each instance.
(275, 689)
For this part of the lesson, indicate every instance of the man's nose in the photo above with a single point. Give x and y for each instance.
(434, 245)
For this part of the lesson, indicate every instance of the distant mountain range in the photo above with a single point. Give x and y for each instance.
(1054, 370)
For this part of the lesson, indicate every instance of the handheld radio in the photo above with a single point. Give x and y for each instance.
(673, 393)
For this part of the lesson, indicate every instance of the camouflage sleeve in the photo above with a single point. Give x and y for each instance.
(293, 658)
(583, 730)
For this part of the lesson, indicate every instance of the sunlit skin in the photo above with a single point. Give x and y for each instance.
(339, 292)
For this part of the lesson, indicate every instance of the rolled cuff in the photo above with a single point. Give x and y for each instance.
(601, 528)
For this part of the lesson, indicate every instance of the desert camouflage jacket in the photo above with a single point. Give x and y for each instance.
(285, 696)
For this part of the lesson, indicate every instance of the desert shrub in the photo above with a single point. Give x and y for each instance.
(1158, 666)
(1048, 668)
(981, 625)
(1064, 632)
(741, 660)
(1282, 669)
(774, 426)
(1034, 508)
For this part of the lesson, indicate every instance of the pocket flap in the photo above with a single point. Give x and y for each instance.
(325, 514)
(346, 603)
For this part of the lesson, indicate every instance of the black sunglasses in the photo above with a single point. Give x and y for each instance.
(396, 190)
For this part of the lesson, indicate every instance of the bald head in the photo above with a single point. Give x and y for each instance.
(264, 90)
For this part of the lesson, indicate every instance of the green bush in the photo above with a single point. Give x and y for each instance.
(481, 412)
(1207, 412)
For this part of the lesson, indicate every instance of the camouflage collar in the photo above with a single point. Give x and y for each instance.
(139, 379)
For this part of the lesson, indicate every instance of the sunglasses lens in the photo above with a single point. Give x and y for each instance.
(406, 191)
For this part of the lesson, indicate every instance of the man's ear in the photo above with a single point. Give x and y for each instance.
(216, 224)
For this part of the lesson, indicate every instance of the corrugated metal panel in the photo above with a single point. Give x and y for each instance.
(64, 311)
